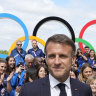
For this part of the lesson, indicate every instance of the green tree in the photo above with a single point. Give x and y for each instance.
(5, 52)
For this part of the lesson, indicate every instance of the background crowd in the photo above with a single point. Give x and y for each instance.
(22, 67)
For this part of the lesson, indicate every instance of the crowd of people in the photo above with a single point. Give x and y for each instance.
(22, 67)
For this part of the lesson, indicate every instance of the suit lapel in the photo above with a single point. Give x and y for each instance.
(45, 87)
(74, 87)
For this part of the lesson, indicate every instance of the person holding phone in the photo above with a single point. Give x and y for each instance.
(18, 78)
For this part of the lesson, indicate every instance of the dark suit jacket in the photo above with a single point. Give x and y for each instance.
(41, 87)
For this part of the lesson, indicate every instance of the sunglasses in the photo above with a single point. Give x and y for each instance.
(19, 44)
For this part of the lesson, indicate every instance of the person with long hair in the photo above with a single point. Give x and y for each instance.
(92, 82)
(91, 59)
(4, 85)
(10, 64)
(17, 79)
(85, 72)
(42, 71)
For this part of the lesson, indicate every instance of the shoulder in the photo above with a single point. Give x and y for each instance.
(13, 50)
(23, 50)
(81, 86)
(78, 83)
(30, 49)
(37, 83)
(32, 87)
(39, 49)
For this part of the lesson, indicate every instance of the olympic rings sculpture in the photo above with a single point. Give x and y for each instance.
(26, 38)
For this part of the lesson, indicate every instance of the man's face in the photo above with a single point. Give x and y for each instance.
(34, 44)
(19, 45)
(86, 50)
(29, 62)
(38, 60)
(59, 60)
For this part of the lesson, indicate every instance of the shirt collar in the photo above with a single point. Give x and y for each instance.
(36, 49)
(54, 82)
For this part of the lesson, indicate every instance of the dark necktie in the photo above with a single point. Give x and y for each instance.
(62, 89)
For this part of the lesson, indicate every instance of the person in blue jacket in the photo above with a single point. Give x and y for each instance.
(80, 58)
(91, 59)
(18, 78)
(18, 53)
(35, 51)
(3, 79)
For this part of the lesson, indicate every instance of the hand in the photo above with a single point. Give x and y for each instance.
(18, 69)
(18, 88)
(30, 80)
(2, 77)
(10, 76)
(80, 54)
(43, 58)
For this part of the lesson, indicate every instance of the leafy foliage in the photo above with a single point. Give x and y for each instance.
(4, 52)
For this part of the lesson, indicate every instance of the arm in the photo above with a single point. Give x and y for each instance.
(2, 79)
(9, 88)
(84, 57)
(21, 78)
(14, 79)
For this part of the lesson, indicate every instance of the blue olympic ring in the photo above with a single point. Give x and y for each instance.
(22, 25)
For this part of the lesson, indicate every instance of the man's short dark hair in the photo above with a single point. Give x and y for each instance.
(20, 63)
(86, 47)
(61, 39)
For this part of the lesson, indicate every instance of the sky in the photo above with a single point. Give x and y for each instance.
(76, 12)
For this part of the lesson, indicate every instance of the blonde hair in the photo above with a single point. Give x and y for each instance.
(91, 79)
(80, 76)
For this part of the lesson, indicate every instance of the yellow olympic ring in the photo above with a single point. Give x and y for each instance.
(23, 38)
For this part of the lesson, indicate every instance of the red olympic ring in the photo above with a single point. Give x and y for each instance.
(83, 30)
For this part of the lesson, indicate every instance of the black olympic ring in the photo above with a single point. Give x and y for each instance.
(57, 19)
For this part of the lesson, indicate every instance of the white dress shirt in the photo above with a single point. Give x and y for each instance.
(55, 91)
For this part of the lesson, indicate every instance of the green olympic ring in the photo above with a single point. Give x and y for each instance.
(84, 42)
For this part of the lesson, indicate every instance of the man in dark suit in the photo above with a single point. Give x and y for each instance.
(59, 51)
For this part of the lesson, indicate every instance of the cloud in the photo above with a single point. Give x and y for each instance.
(1, 9)
(77, 13)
